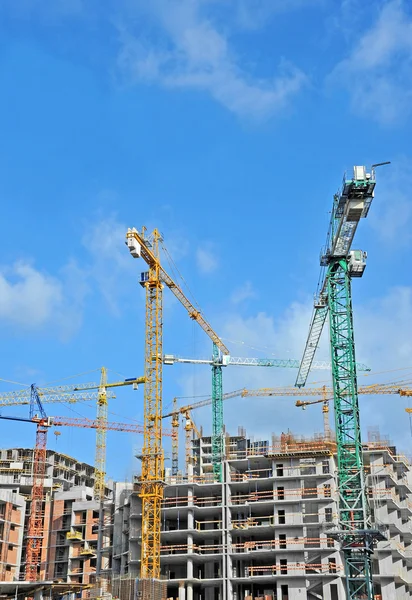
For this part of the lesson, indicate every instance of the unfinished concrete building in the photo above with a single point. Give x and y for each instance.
(71, 518)
(265, 532)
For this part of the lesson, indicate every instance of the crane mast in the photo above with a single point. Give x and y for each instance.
(217, 416)
(36, 516)
(100, 454)
(340, 264)
(151, 491)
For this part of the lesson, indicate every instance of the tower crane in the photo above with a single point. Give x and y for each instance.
(190, 429)
(79, 393)
(323, 394)
(217, 362)
(35, 530)
(151, 488)
(224, 361)
(102, 408)
(339, 264)
(189, 424)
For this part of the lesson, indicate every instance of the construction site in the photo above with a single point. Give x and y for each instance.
(231, 517)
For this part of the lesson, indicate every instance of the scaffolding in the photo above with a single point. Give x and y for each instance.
(131, 588)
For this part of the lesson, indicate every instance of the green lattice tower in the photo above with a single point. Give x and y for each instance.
(217, 411)
(357, 541)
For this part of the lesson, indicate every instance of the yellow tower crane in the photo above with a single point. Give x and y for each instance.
(101, 430)
(151, 483)
(190, 429)
(323, 394)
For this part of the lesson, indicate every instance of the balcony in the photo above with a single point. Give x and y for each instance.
(88, 552)
(208, 525)
(74, 536)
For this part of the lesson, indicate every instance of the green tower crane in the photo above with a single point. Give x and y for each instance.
(218, 361)
(340, 263)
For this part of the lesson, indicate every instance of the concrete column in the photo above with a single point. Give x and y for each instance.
(190, 543)
(182, 591)
(297, 591)
(189, 590)
(388, 590)
(190, 568)
(190, 519)
(190, 496)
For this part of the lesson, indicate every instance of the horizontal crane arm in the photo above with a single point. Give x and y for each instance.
(368, 390)
(132, 381)
(84, 424)
(318, 392)
(9, 399)
(60, 389)
(170, 359)
(290, 363)
(94, 424)
(375, 389)
(206, 402)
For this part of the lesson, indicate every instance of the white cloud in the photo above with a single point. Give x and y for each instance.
(27, 296)
(33, 301)
(378, 72)
(110, 262)
(242, 293)
(206, 259)
(191, 52)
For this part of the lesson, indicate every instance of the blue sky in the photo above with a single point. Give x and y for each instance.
(228, 125)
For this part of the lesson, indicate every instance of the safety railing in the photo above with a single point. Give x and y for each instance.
(292, 447)
(200, 502)
(191, 549)
(287, 519)
(280, 472)
(208, 525)
(291, 569)
(383, 445)
(389, 494)
(209, 478)
(282, 494)
(279, 544)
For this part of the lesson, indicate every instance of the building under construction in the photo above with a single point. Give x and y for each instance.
(266, 532)
(70, 517)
